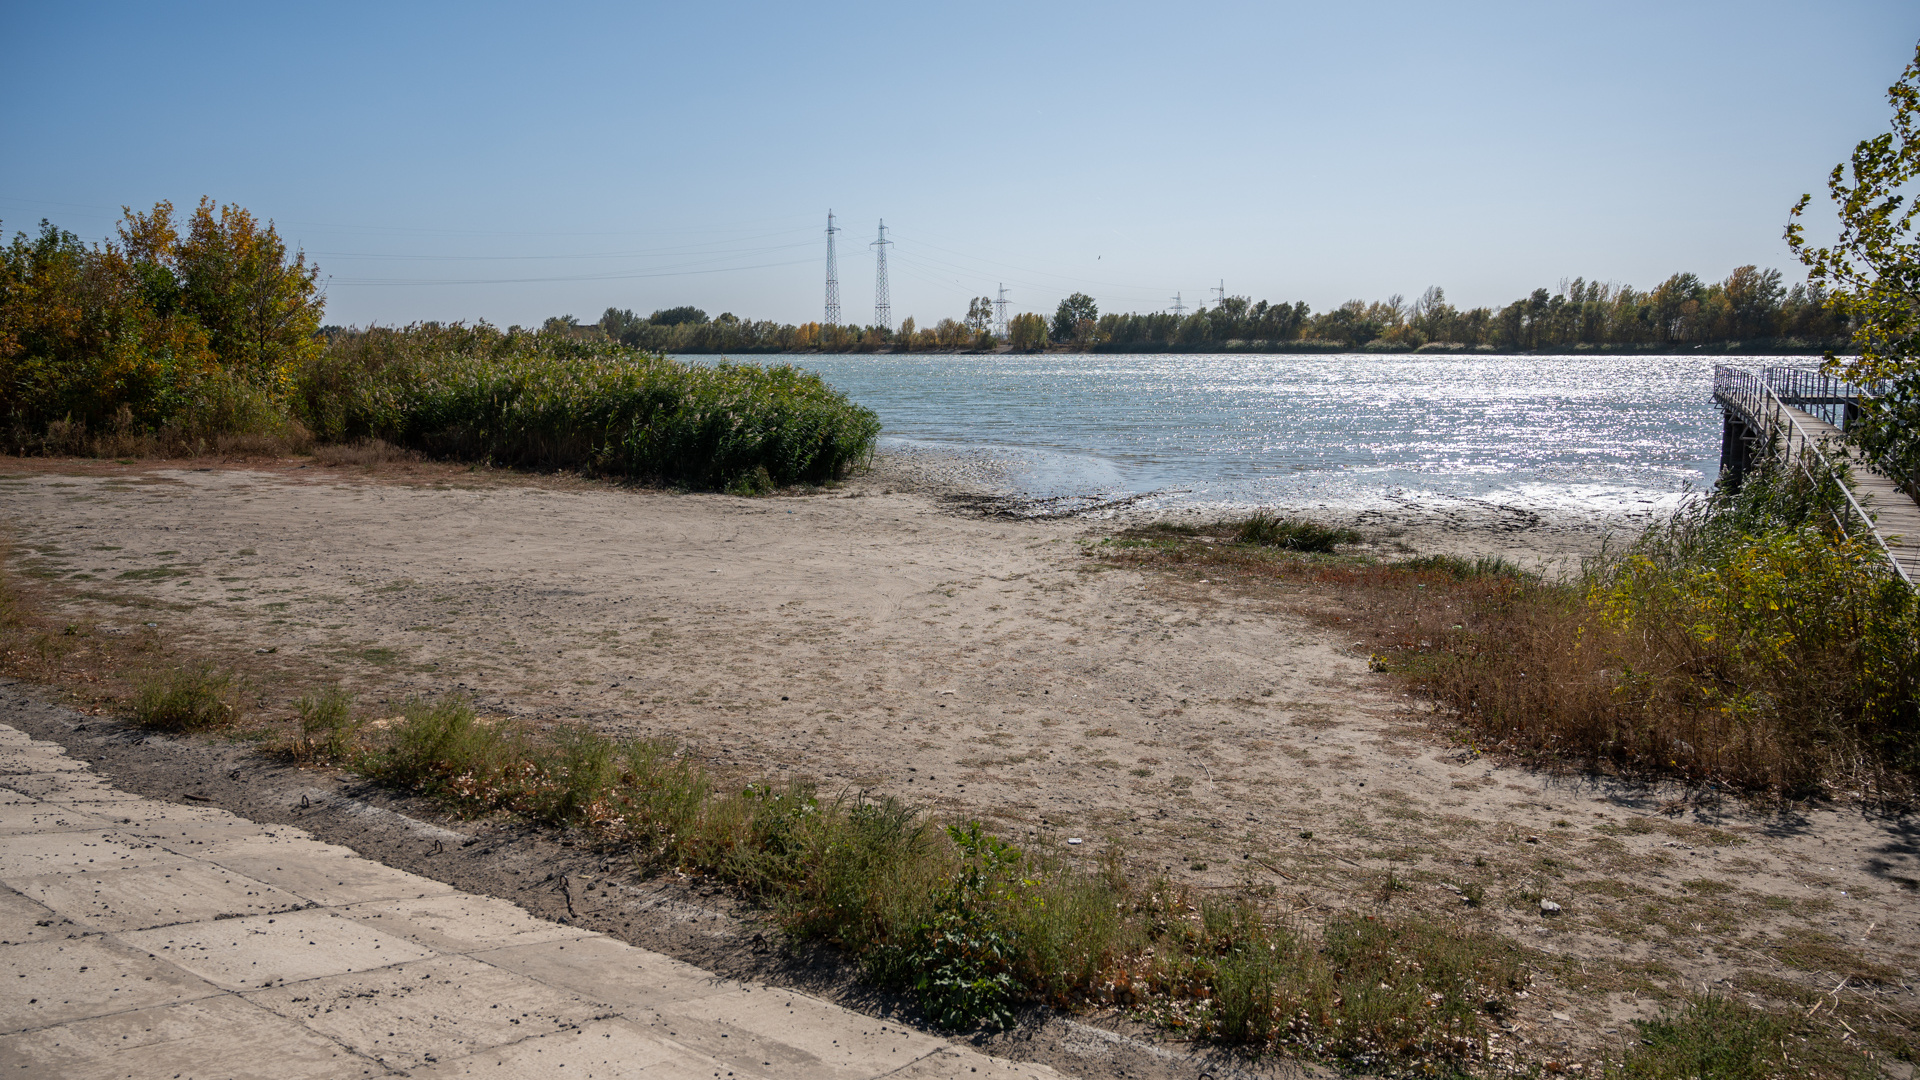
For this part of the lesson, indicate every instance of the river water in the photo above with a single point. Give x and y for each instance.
(1586, 434)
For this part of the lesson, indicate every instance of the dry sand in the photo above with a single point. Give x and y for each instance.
(888, 637)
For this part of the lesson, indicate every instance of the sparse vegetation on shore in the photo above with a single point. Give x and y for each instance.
(1741, 644)
(971, 926)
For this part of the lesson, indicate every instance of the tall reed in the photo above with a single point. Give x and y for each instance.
(545, 400)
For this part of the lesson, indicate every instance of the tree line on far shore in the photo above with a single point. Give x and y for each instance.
(1751, 310)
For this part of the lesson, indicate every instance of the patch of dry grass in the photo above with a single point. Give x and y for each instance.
(1736, 646)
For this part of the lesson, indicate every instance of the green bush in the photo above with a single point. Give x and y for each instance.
(327, 728)
(961, 955)
(441, 748)
(192, 698)
(162, 339)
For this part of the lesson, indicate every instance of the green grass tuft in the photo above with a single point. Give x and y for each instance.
(1460, 569)
(194, 698)
(1711, 1038)
(1293, 534)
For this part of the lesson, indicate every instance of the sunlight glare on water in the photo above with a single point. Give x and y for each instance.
(1580, 433)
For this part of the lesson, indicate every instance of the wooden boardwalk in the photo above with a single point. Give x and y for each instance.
(1896, 517)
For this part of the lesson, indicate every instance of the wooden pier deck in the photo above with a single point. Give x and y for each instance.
(1896, 517)
(1767, 412)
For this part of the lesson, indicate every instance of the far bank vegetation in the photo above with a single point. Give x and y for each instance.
(1751, 310)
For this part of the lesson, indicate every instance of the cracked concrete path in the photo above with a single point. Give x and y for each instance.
(141, 938)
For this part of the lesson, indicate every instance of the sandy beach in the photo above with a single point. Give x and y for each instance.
(917, 633)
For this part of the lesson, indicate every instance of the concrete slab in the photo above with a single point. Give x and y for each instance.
(433, 1010)
(322, 873)
(37, 758)
(141, 897)
(796, 1033)
(65, 852)
(29, 749)
(150, 814)
(606, 1050)
(621, 1048)
(54, 982)
(189, 837)
(611, 971)
(220, 1037)
(23, 920)
(78, 786)
(251, 954)
(31, 816)
(460, 922)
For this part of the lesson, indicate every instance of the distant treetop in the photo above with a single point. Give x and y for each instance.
(677, 315)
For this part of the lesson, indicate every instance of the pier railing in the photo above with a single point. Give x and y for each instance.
(1814, 391)
(1756, 396)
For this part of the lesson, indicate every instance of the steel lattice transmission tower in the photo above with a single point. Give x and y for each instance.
(833, 276)
(1000, 314)
(1178, 307)
(882, 301)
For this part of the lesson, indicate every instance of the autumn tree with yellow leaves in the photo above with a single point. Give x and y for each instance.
(200, 330)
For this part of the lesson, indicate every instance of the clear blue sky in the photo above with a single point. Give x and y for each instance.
(510, 162)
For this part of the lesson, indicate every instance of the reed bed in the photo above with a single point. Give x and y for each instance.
(546, 401)
(527, 399)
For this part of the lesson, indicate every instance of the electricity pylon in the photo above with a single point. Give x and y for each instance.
(1000, 314)
(833, 276)
(882, 302)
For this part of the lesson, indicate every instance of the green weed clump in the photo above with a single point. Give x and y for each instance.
(549, 401)
(327, 727)
(191, 698)
(1716, 1037)
(10, 614)
(1293, 534)
(1463, 569)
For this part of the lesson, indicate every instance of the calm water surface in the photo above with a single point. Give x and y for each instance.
(1586, 433)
